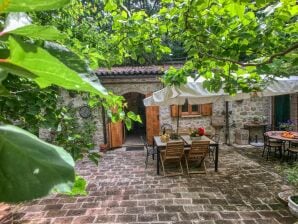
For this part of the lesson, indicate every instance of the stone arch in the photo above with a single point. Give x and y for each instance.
(142, 88)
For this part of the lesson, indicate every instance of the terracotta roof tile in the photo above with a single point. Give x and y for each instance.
(133, 70)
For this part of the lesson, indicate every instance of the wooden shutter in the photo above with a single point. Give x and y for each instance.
(174, 110)
(206, 109)
(152, 122)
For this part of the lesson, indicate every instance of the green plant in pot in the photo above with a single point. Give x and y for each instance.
(292, 175)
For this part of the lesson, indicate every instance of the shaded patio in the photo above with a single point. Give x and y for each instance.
(122, 191)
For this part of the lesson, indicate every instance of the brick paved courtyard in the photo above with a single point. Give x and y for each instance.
(122, 191)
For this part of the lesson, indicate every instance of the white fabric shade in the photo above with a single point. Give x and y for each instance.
(195, 93)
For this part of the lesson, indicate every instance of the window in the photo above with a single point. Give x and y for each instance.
(188, 109)
(191, 110)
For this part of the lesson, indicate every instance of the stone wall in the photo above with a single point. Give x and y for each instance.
(241, 112)
(244, 111)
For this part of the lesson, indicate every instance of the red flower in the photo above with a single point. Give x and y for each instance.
(201, 131)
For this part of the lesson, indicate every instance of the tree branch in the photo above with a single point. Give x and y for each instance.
(125, 9)
(268, 61)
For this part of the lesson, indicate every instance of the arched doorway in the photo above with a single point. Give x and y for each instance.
(135, 104)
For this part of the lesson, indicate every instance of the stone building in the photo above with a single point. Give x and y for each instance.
(136, 83)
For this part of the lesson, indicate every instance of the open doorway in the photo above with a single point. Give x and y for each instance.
(136, 105)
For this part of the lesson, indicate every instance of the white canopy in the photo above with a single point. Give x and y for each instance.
(195, 93)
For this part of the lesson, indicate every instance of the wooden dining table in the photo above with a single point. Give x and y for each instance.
(278, 135)
(187, 143)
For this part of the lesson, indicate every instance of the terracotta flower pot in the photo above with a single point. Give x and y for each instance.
(103, 147)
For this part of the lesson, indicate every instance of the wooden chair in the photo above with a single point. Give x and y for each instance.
(269, 144)
(293, 149)
(198, 151)
(173, 153)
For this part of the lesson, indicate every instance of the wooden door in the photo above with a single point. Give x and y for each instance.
(152, 123)
(115, 134)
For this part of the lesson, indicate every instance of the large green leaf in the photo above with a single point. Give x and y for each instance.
(30, 5)
(47, 68)
(19, 23)
(30, 167)
(39, 32)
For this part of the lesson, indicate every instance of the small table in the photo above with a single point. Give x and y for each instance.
(249, 126)
(187, 142)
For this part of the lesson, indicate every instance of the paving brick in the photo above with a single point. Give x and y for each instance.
(90, 205)
(209, 215)
(126, 218)
(249, 215)
(154, 209)
(229, 215)
(165, 202)
(172, 217)
(50, 201)
(105, 219)
(146, 203)
(174, 208)
(56, 213)
(212, 208)
(188, 216)
(54, 206)
(266, 221)
(76, 212)
(218, 201)
(96, 211)
(201, 201)
(193, 208)
(128, 203)
(225, 221)
(248, 221)
(147, 218)
(135, 210)
(83, 219)
(182, 201)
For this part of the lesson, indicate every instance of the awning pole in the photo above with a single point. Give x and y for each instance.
(178, 118)
(227, 133)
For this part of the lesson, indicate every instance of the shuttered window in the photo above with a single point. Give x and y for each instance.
(192, 110)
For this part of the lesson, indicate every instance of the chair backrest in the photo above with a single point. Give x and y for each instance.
(199, 148)
(174, 150)
(269, 141)
(266, 139)
(216, 138)
(144, 142)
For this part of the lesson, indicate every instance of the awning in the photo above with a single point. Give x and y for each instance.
(195, 93)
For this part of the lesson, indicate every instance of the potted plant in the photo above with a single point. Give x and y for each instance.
(197, 134)
(292, 175)
(103, 147)
(256, 119)
(286, 125)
